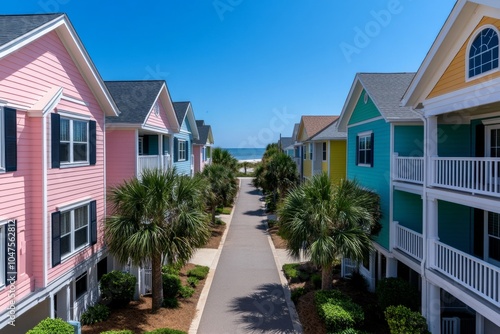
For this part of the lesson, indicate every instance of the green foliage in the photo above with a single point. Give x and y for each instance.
(50, 326)
(193, 281)
(165, 331)
(199, 272)
(402, 320)
(170, 302)
(351, 331)
(291, 271)
(186, 291)
(337, 310)
(316, 280)
(171, 285)
(396, 291)
(123, 331)
(94, 314)
(222, 157)
(172, 269)
(117, 287)
(271, 223)
(296, 293)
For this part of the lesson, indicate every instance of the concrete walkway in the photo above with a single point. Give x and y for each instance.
(247, 292)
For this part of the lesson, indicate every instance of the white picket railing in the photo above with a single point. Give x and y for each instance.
(474, 175)
(409, 241)
(478, 276)
(153, 161)
(348, 267)
(166, 161)
(450, 325)
(409, 169)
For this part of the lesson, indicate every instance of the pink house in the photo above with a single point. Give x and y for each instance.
(202, 147)
(53, 106)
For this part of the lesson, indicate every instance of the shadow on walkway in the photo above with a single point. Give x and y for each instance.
(264, 310)
(254, 192)
(258, 212)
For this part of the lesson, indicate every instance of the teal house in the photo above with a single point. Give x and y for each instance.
(183, 158)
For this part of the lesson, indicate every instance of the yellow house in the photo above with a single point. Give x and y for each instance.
(315, 153)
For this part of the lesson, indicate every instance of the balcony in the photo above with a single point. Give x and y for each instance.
(409, 169)
(162, 162)
(409, 242)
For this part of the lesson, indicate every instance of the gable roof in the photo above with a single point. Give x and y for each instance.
(286, 143)
(205, 132)
(312, 125)
(331, 132)
(20, 30)
(200, 122)
(386, 91)
(183, 110)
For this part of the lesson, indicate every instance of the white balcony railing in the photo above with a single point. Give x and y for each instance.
(474, 175)
(476, 275)
(409, 241)
(162, 162)
(409, 169)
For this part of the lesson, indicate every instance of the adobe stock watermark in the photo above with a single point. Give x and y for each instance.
(365, 35)
(224, 6)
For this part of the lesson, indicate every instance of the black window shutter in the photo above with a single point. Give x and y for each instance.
(93, 222)
(176, 149)
(478, 239)
(145, 145)
(56, 238)
(357, 150)
(55, 129)
(92, 142)
(10, 131)
(11, 252)
(480, 141)
(372, 149)
(187, 150)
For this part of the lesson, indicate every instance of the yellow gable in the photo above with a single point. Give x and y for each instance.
(454, 78)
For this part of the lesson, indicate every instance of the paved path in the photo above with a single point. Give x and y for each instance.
(246, 294)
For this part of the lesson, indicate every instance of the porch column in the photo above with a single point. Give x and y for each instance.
(479, 323)
(391, 267)
(431, 229)
(160, 152)
(431, 306)
(431, 146)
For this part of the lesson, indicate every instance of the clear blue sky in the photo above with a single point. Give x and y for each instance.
(251, 68)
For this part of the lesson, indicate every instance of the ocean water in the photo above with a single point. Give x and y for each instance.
(247, 153)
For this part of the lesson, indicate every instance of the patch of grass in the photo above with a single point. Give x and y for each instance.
(186, 291)
(200, 272)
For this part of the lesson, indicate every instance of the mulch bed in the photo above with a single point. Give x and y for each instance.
(278, 241)
(216, 235)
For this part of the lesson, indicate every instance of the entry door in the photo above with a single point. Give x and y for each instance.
(492, 238)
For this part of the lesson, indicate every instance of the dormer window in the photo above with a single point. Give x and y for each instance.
(483, 52)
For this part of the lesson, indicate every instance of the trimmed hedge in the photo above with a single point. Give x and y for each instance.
(94, 314)
(199, 272)
(50, 326)
(171, 285)
(396, 291)
(402, 320)
(186, 291)
(338, 310)
(118, 288)
(165, 331)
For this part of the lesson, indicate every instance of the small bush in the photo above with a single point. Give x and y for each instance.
(338, 310)
(118, 288)
(186, 291)
(193, 281)
(124, 331)
(316, 280)
(271, 223)
(200, 272)
(165, 331)
(396, 291)
(171, 302)
(291, 271)
(295, 294)
(171, 285)
(50, 326)
(94, 314)
(351, 331)
(402, 320)
(171, 269)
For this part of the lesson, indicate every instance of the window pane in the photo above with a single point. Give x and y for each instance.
(64, 152)
(65, 223)
(81, 237)
(64, 125)
(81, 285)
(81, 217)
(79, 152)
(494, 251)
(368, 143)
(65, 245)
(80, 131)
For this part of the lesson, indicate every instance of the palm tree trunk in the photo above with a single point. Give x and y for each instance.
(326, 278)
(157, 284)
(213, 209)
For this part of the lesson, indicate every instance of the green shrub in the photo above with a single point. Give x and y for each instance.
(50, 326)
(171, 285)
(171, 302)
(165, 331)
(338, 310)
(123, 331)
(200, 272)
(193, 281)
(396, 291)
(402, 320)
(94, 314)
(351, 331)
(186, 291)
(271, 223)
(295, 294)
(118, 288)
(171, 269)
(291, 271)
(316, 280)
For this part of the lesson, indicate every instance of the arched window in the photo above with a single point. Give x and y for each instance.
(483, 52)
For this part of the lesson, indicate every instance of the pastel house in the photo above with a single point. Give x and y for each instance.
(53, 109)
(183, 140)
(142, 136)
(202, 147)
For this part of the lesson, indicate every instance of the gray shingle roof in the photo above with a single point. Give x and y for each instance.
(386, 90)
(331, 132)
(181, 109)
(200, 122)
(14, 26)
(134, 99)
(285, 142)
(204, 131)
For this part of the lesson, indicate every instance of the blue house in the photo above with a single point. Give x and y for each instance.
(183, 140)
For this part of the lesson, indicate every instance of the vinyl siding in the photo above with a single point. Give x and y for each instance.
(198, 158)
(409, 140)
(184, 167)
(121, 158)
(160, 120)
(337, 160)
(455, 226)
(407, 210)
(454, 140)
(307, 165)
(454, 78)
(363, 111)
(376, 178)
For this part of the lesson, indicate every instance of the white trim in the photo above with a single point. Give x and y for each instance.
(151, 109)
(366, 122)
(491, 121)
(74, 204)
(364, 133)
(74, 100)
(74, 251)
(156, 129)
(472, 38)
(409, 187)
(391, 182)
(74, 115)
(47, 251)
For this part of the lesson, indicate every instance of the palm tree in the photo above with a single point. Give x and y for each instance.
(157, 217)
(223, 157)
(329, 221)
(281, 174)
(221, 187)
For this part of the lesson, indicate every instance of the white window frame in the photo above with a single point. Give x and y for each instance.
(324, 147)
(85, 276)
(487, 237)
(467, 52)
(363, 135)
(181, 150)
(71, 233)
(140, 146)
(311, 150)
(71, 142)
